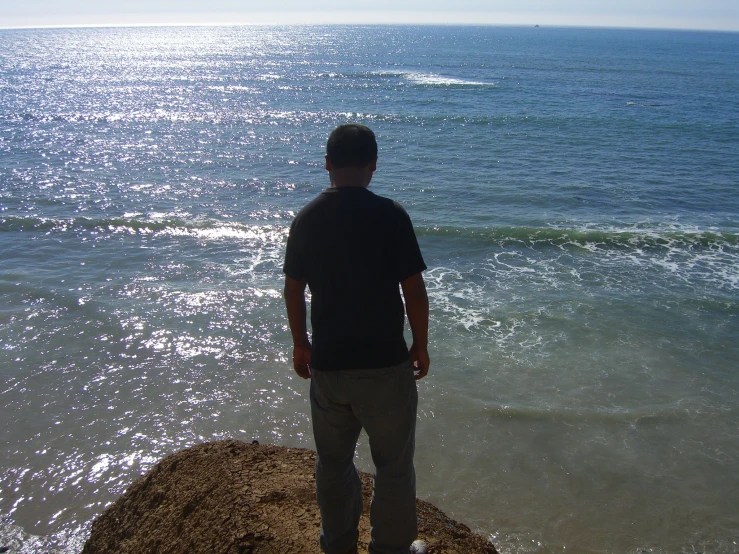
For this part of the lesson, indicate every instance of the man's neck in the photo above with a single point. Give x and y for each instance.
(346, 177)
(347, 186)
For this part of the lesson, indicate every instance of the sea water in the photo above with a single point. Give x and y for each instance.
(574, 192)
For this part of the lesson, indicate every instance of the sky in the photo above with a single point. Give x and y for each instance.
(670, 14)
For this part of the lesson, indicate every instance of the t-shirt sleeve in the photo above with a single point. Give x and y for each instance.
(408, 258)
(293, 266)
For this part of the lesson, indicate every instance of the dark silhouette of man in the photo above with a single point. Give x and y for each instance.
(356, 251)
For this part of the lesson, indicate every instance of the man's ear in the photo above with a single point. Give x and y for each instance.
(373, 165)
(328, 163)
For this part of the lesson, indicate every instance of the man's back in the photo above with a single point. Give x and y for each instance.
(353, 248)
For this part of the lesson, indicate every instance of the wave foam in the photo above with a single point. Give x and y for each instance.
(439, 80)
(206, 230)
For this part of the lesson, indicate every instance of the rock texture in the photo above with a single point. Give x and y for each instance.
(230, 497)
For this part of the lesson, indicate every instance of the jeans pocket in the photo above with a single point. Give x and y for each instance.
(382, 394)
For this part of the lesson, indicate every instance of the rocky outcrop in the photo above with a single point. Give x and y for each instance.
(230, 497)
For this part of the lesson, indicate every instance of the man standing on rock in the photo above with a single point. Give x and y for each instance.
(355, 251)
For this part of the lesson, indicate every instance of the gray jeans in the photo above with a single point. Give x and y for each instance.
(383, 402)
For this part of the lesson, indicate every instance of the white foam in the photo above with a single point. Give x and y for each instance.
(439, 80)
(19, 541)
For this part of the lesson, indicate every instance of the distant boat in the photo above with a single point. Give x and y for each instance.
(535, 25)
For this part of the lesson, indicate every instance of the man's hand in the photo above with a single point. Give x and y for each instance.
(420, 361)
(301, 360)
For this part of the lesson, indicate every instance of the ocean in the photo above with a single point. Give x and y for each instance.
(574, 192)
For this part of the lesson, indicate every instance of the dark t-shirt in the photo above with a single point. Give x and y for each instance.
(354, 248)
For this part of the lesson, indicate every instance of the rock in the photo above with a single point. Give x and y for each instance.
(230, 497)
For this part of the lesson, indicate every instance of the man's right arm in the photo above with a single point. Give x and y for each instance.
(417, 310)
(296, 314)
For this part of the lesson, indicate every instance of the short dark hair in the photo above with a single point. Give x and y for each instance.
(351, 145)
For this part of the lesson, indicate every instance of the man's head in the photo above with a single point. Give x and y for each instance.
(351, 145)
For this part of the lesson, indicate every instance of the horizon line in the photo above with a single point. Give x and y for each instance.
(353, 24)
(370, 18)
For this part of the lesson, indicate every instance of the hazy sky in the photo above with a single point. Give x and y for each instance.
(690, 14)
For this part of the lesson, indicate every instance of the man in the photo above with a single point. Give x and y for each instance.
(355, 251)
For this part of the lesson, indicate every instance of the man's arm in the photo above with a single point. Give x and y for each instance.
(295, 303)
(417, 309)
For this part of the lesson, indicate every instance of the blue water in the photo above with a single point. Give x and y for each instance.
(574, 194)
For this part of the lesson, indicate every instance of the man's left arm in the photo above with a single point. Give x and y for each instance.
(296, 314)
(417, 310)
